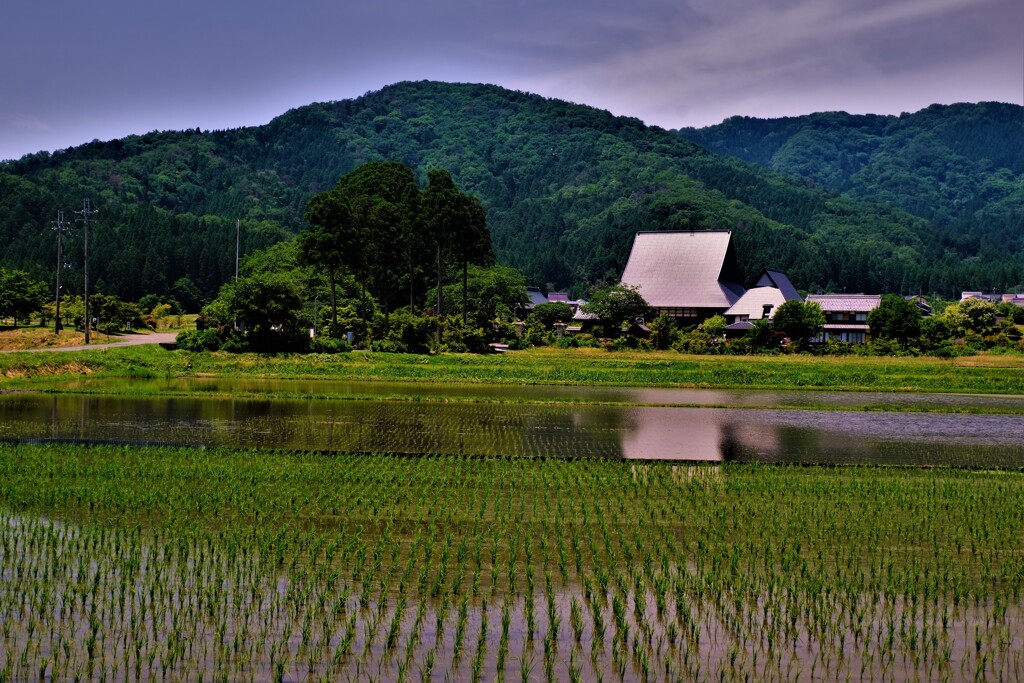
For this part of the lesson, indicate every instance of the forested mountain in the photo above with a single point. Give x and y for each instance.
(565, 186)
(959, 166)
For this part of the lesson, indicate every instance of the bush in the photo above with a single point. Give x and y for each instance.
(323, 344)
(235, 343)
(405, 333)
(198, 340)
(459, 337)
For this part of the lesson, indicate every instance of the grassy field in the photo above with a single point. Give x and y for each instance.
(996, 374)
(130, 564)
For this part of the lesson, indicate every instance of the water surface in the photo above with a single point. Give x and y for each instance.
(527, 429)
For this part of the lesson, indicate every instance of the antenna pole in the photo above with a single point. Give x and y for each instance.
(86, 213)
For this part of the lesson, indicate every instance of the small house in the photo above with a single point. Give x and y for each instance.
(760, 302)
(846, 315)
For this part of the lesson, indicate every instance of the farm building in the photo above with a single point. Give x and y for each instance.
(689, 276)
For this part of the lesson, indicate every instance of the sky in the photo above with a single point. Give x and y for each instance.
(76, 70)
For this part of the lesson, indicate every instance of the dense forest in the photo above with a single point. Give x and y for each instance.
(960, 167)
(565, 187)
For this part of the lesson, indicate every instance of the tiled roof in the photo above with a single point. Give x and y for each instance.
(752, 303)
(683, 269)
(846, 303)
(582, 315)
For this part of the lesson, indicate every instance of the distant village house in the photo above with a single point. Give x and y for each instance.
(846, 315)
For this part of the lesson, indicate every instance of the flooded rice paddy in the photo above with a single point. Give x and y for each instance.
(248, 566)
(474, 420)
(600, 534)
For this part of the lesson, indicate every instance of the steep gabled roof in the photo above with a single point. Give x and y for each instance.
(779, 280)
(683, 269)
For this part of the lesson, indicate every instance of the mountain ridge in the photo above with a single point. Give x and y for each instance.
(566, 187)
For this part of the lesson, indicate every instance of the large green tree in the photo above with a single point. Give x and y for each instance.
(800, 321)
(616, 306)
(21, 295)
(970, 316)
(896, 319)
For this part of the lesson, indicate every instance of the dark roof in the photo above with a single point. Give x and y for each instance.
(536, 296)
(779, 280)
(683, 269)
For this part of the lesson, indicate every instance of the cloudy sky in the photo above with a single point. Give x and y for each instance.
(76, 70)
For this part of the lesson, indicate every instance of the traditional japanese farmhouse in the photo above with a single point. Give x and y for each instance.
(689, 276)
(846, 315)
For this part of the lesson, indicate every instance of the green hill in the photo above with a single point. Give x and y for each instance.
(961, 167)
(566, 187)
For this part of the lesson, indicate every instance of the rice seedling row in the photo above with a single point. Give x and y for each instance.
(176, 564)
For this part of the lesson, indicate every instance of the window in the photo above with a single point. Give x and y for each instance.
(680, 312)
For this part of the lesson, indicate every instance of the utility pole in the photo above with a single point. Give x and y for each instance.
(86, 213)
(238, 244)
(62, 229)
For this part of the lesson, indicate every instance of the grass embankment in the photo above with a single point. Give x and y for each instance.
(34, 337)
(140, 563)
(977, 374)
(25, 338)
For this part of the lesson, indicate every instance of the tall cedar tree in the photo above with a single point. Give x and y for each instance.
(365, 225)
(457, 225)
(383, 197)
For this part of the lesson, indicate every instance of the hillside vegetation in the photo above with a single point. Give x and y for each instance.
(961, 167)
(565, 187)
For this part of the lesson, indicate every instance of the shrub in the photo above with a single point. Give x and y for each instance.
(459, 337)
(407, 333)
(323, 344)
(198, 340)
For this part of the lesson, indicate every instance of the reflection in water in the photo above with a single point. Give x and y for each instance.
(655, 396)
(523, 429)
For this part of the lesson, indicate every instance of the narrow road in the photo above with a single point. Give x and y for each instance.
(133, 340)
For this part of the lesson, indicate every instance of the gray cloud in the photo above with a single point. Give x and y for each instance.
(112, 67)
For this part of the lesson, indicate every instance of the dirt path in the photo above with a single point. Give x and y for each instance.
(134, 340)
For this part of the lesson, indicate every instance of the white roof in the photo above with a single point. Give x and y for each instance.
(681, 269)
(752, 303)
(846, 303)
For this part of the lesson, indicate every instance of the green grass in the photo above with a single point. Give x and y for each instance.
(224, 564)
(981, 374)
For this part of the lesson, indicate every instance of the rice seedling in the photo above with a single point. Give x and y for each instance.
(238, 565)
